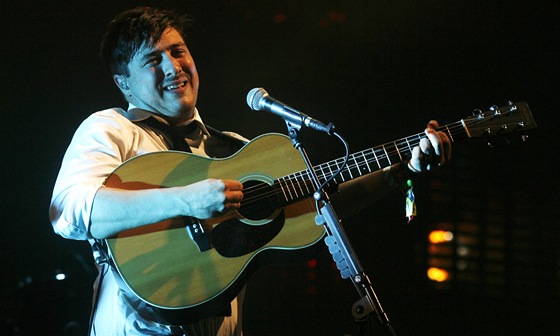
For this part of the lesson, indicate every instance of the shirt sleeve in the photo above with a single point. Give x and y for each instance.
(100, 144)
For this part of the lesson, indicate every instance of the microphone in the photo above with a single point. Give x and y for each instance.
(259, 100)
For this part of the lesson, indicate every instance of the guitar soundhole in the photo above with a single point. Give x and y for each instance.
(260, 200)
(233, 238)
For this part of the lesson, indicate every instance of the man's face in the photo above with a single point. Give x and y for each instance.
(163, 79)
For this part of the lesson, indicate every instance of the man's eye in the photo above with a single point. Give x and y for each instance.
(179, 52)
(153, 61)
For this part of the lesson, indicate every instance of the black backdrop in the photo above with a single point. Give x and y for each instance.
(379, 70)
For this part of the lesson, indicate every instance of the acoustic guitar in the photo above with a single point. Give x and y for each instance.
(189, 269)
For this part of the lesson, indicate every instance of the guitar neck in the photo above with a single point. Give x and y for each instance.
(299, 184)
(382, 156)
(505, 119)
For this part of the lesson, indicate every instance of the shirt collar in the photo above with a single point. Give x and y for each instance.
(137, 114)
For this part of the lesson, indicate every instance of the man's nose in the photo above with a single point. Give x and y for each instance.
(170, 66)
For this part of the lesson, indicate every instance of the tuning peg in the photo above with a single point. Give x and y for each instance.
(496, 109)
(478, 113)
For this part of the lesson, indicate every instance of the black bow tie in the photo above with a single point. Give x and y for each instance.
(176, 134)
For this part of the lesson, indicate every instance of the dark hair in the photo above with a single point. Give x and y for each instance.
(134, 28)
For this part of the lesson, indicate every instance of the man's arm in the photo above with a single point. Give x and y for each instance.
(115, 210)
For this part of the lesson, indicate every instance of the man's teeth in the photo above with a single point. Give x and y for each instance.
(173, 87)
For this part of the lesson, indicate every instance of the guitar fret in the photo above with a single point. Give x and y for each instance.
(448, 131)
(384, 160)
(408, 145)
(353, 158)
(398, 151)
(298, 183)
(335, 170)
(325, 177)
(357, 169)
(344, 174)
(330, 171)
(366, 162)
(284, 190)
(305, 183)
(387, 155)
(376, 159)
(405, 149)
(327, 166)
(359, 164)
(295, 184)
(293, 188)
(321, 174)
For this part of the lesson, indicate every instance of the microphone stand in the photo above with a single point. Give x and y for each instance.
(340, 247)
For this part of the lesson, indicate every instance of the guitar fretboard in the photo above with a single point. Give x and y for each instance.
(300, 184)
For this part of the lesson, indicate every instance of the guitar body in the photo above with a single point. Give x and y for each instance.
(166, 268)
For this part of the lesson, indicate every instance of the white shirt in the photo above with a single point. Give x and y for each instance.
(101, 143)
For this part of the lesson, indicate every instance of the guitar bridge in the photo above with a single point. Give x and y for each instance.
(195, 229)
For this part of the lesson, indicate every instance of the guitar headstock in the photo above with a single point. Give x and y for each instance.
(514, 117)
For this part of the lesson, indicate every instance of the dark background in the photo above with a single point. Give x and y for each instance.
(379, 70)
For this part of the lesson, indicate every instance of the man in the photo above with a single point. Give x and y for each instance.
(146, 53)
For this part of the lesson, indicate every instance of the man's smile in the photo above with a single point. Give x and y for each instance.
(175, 86)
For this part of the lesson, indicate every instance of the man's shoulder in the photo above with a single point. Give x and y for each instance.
(114, 117)
(113, 112)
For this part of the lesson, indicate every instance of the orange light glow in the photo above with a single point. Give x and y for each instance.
(440, 236)
(438, 274)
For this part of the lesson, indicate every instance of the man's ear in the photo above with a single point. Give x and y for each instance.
(121, 82)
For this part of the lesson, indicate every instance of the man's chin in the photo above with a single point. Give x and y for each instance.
(184, 113)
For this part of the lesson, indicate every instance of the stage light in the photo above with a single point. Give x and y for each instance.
(437, 274)
(440, 236)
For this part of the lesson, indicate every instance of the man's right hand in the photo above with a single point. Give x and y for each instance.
(210, 197)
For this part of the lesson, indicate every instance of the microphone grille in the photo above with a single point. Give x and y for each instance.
(254, 98)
